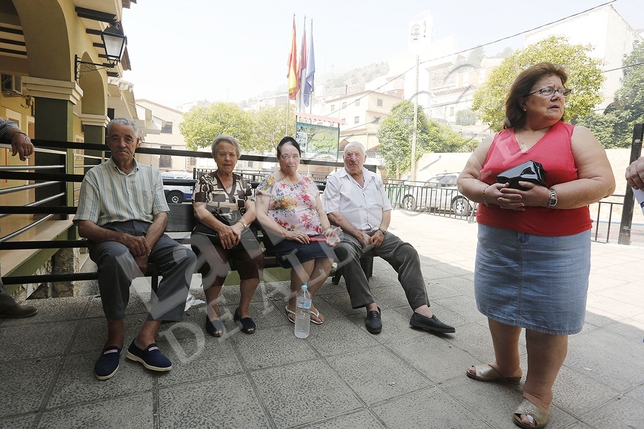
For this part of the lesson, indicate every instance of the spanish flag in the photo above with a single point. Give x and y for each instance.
(293, 80)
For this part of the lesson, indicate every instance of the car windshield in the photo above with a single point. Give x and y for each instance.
(443, 180)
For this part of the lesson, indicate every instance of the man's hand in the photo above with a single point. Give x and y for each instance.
(365, 240)
(138, 246)
(377, 238)
(142, 262)
(635, 174)
(20, 144)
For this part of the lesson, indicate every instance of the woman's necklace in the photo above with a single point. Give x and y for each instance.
(526, 141)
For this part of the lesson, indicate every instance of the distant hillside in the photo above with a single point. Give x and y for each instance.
(338, 85)
(352, 81)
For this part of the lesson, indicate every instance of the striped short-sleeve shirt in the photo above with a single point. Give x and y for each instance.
(109, 195)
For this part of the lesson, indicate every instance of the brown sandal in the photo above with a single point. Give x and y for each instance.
(488, 373)
(527, 408)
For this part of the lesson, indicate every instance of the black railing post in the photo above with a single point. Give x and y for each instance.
(627, 213)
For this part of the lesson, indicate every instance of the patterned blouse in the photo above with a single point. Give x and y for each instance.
(293, 206)
(211, 191)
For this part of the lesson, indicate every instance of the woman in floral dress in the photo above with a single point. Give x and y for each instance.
(298, 231)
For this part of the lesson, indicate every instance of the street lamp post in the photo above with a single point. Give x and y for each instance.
(413, 138)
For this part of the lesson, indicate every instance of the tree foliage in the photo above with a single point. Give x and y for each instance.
(269, 127)
(614, 128)
(630, 97)
(201, 125)
(396, 134)
(611, 129)
(584, 77)
(257, 131)
(465, 117)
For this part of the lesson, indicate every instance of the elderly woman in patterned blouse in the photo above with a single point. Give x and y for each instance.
(299, 233)
(224, 212)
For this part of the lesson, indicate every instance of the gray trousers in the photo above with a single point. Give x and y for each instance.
(400, 255)
(117, 268)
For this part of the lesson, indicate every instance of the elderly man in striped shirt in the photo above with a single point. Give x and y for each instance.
(123, 212)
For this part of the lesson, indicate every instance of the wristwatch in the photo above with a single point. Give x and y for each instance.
(384, 231)
(553, 198)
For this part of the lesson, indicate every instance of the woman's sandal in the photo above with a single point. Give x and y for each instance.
(487, 373)
(317, 316)
(214, 327)
(538, 416)
(246, 324)
(289, 313)
(292, 320)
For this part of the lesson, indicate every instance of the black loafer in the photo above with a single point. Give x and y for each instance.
(373, 322)
(431, 324)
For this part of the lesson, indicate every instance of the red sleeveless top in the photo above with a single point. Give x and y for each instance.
(554, 152)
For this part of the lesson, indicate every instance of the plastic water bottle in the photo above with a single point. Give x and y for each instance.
(303, 313)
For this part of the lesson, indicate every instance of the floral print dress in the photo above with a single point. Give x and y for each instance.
(293, 206)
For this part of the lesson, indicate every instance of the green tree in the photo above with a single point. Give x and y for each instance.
(611, 129)
(584, 75)
(630, 97)
(396, 133)
(614, 128)
(201, 125)
(465, 117)
(269, 127)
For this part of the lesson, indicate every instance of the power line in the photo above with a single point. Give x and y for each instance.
(483, 45)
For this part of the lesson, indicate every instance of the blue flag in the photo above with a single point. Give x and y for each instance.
(309, 85)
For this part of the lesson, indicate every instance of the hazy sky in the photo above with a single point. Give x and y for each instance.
(233, 50)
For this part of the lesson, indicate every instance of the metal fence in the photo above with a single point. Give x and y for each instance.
(448, 202)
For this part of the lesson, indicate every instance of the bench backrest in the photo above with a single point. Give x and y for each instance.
(181, 218)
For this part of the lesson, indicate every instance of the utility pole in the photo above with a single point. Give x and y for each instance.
(414, 135)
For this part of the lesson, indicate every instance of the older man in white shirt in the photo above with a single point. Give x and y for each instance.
(355, 200)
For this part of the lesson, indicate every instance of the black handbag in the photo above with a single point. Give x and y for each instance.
(529, 171)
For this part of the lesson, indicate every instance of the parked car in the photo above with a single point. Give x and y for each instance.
(177, 194)
(438, 193)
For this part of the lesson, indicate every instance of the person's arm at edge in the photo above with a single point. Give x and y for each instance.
(20, 142)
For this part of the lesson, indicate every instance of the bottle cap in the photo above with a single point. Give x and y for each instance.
(304, 287)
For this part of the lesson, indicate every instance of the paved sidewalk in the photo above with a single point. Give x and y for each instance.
(341, 376)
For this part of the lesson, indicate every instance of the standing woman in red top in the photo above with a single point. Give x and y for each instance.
(533, 253)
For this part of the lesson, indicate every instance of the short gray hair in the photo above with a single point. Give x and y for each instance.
(125, 122)
(225, 138)
(356, 144)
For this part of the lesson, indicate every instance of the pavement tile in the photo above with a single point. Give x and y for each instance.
(358, 420)
(616, 363)
(377, 375)
(618, 413)
(303, 392)
(431, 408)
(25, 384)
(134, 411)
(76, 383)
(227, 402)
(197, 358)
(275, 346)
(35, 340)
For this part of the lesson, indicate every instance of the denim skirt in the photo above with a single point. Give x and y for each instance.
(532, 281)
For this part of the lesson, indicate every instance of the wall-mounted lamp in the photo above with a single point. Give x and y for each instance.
(114, 42)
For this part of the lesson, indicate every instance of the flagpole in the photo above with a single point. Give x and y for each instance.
(307, 72)
(292, 56)
(300, 68)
